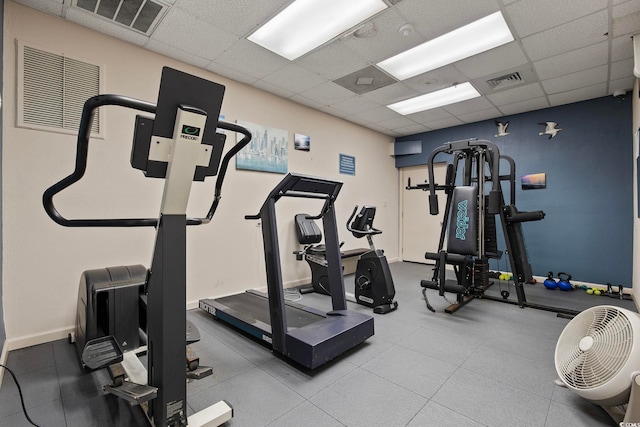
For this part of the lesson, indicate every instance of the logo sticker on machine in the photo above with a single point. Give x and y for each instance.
(462, 220)
(190, 132)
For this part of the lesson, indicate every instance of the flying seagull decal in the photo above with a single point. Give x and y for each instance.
(550, 129)
(502, 128)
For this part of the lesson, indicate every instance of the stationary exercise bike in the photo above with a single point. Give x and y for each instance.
(117, 305)
(374, 284)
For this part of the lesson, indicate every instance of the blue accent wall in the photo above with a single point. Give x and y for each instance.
(588, 201)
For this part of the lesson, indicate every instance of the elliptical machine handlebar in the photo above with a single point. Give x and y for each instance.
(82, 150)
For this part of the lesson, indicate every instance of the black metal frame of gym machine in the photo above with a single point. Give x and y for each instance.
(166, 282)
(489, 152)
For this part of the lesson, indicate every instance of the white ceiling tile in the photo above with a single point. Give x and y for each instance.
(378, 114)
(390, 94)
(444, 123)
(533, 16)
(294, 78)
(623, 84)
(432, 115)
(626, 18)
(357, 120)
(576, 80)
(355, 105)
(621, 48)
(621, 69)
(179, 29)
(386, 41)
(333, 61)
(276, 90)
(102, 25)
(240, 17)
(244, 55)
(433, 18)
(397, 122)
(523, 106)
(518, 94)
(176, 53)
(564, 38)
(412, 130)
(327, 93)
(229, 73)
(435, 80)
(468, 106)
(570, 62)
(576, 95)
(492, 61)
(479, 116)
(306, 101)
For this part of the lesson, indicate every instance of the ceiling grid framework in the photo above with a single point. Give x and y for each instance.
(564, 52)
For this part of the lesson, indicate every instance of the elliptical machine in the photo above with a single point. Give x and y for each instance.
(180, 145)
(373, 282)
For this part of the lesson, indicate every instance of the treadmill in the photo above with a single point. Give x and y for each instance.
(305, 335)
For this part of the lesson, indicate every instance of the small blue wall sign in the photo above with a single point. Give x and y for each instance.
(347, 164)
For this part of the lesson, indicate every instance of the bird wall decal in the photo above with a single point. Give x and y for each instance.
(502, 128)
(550, 129)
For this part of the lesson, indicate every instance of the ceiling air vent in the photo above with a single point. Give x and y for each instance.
(139, 15)
(507, 80)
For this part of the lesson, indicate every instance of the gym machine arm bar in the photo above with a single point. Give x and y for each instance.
(82, 149)
(450, 147)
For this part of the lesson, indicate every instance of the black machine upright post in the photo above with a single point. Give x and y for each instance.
(274, 275)
(336, 281)
(165, 329)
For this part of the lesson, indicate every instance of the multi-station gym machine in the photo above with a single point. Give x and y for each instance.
(117, 305)
(469, 225)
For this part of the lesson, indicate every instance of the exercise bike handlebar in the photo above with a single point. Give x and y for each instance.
(369, 232)
(82, 149)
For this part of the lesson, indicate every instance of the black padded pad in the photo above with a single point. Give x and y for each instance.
(307, 230)
(463, 221)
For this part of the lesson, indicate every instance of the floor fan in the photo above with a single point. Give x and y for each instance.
(598, 357)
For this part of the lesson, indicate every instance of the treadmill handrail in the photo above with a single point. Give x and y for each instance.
(82, 150)
(306, 186)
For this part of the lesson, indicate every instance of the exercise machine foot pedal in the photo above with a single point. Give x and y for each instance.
(133, 393)
(385, 308)
(199, 373)
(101, 352)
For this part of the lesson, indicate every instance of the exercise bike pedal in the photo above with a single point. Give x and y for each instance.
(385, 308)
(199, 373)
(101, 352)
(133, 393)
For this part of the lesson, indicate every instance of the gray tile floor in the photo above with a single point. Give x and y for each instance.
(489, 364)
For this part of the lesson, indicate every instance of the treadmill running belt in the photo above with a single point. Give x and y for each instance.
(257, 307)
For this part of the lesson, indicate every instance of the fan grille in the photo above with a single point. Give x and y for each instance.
(612, 334)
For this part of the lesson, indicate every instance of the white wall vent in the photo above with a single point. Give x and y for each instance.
(139, 15)
(52, 89)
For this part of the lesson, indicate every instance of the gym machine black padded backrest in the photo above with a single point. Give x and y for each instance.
(307, 230)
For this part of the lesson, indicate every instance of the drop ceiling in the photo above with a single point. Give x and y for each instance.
(564, 51)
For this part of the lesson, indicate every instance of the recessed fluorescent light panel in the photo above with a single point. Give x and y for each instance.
(476, 37)
(450, 95)
(306, 24)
